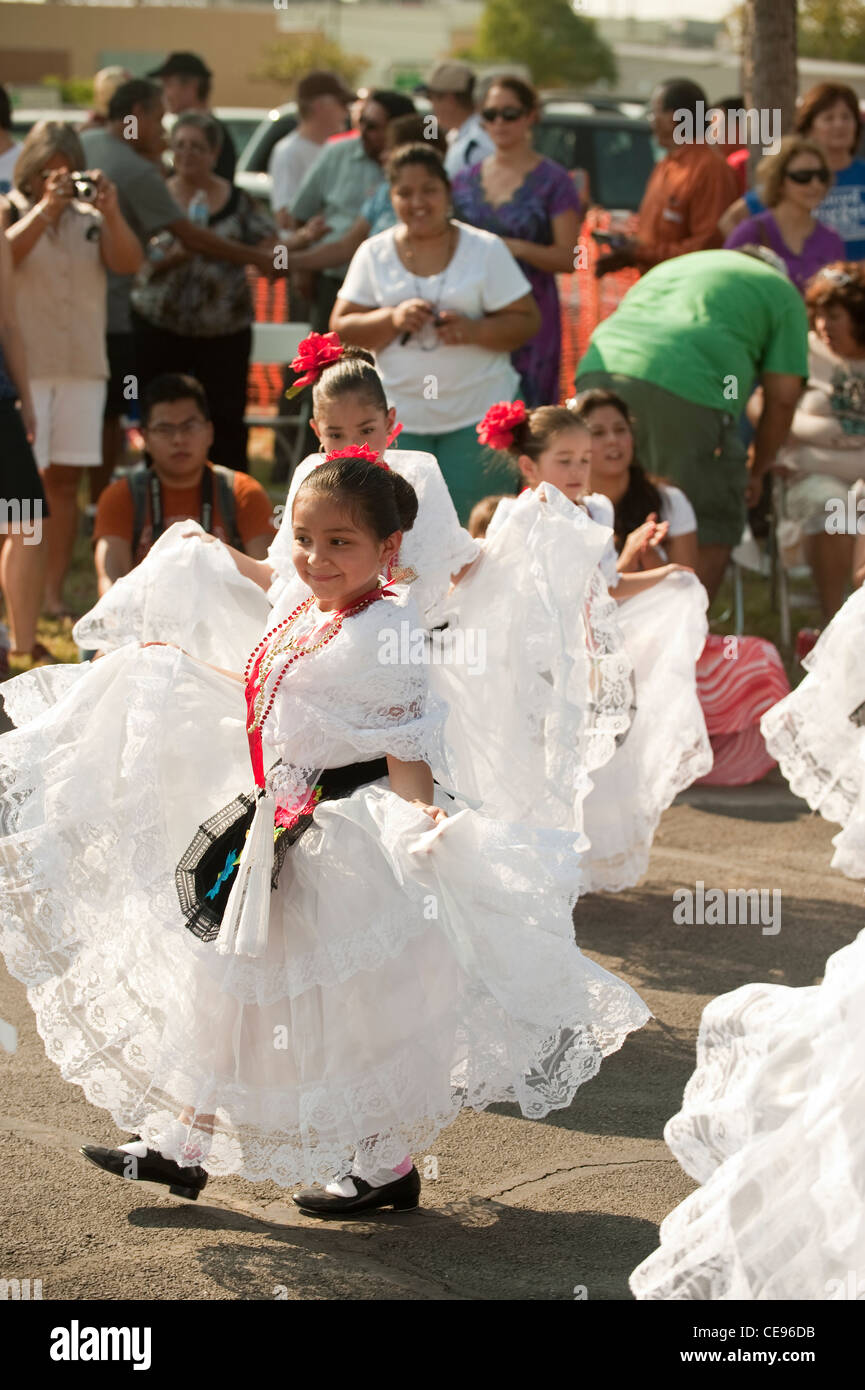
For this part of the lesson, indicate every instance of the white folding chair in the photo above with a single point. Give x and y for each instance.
(277, 343)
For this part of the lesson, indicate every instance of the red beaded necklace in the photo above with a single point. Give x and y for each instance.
(255, 681)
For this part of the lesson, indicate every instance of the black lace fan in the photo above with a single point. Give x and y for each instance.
(205, 875)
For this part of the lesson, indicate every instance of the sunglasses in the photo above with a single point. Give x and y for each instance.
(490, 114)
(808, 175)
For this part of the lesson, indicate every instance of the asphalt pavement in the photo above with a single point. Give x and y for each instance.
(511, 1210)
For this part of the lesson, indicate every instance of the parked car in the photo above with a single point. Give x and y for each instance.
(610, 153)
(25, 117)
(252, 162)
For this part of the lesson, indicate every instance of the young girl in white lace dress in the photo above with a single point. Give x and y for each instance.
(537, 544)
(408, 962)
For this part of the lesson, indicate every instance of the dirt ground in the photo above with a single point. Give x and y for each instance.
(511, 1210)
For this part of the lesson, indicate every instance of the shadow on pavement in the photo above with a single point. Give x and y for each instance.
(430, 1255)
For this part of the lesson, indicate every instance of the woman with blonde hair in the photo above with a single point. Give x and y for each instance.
(64, 233)
(827, 114)
(793, 183)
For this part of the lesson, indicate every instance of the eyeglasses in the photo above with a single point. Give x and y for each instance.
(808, 175)
(168, 431)
(490, 114)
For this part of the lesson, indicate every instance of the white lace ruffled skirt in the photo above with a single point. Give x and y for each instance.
(817, 733)
(666, 748)
(773, 1127)
(408, 972)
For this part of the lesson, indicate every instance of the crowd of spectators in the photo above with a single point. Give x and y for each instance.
(434, 238)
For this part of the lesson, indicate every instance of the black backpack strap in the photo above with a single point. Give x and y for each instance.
(138, 482)
(227, 505)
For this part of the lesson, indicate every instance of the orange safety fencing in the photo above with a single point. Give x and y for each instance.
(585, 301)
(270, 304)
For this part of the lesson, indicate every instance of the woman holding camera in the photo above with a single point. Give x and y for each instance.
(64, 229)
(442, 305)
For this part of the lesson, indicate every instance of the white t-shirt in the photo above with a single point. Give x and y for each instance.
(468, 145)
(445, 388)
(676, 509)
(292, 156)
(7, 166)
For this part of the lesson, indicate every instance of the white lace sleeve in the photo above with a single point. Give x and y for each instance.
(611, 679)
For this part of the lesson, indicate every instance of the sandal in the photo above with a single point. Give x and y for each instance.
(38, 655)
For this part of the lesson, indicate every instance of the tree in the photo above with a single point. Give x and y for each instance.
(74, 91)
(291, 58)
(769, 61)
(559, 47)
(832, 29)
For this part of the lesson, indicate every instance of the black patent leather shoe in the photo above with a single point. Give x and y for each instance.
(403, 1194)
(154, 1167)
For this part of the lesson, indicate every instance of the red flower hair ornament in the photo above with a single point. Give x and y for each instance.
(497, 427)
(362, 452)
(314, 353)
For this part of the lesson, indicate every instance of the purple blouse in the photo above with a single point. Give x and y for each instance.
(822, 246)
(547, 190)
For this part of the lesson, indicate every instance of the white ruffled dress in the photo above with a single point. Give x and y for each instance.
(587, 713)
(408, 970)
(817, 733)
(773, 1127)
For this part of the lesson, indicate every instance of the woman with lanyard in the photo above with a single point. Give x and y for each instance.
(442, 305)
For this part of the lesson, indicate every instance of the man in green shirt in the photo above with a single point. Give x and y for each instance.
(684, 349)
(346, 172)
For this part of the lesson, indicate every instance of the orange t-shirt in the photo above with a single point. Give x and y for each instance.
(115, 513)
(686, 194)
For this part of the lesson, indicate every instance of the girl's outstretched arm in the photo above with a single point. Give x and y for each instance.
(630, 584)
(461, 573)
(259, 571)
(220, 670)
(414, 783)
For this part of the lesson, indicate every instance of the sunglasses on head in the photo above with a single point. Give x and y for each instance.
(808, 175)
(507, 113)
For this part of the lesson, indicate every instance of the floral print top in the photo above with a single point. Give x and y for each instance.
(204, 298)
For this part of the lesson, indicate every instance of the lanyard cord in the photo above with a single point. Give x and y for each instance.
(205, 514)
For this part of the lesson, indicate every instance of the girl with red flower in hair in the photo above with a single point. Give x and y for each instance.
(310, 1006)
(162, 599)
(528, 586)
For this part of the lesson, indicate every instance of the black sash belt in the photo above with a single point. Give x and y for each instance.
(205, 875)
